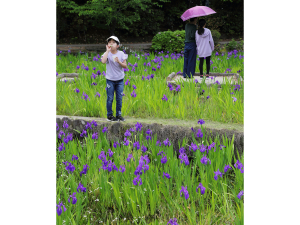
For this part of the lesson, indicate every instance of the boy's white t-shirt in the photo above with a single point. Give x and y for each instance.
(114, 70)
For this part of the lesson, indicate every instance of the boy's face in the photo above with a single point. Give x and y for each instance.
(113, 44)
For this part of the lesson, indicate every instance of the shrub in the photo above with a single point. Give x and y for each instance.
(216, 36)
(168, 41)
(235, 45)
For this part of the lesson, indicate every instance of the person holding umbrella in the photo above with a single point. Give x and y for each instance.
(190, 45)
(190, 48)
(205, 46)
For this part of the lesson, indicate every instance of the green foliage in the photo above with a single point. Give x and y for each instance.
(169, 41)
(216, 36)
(235, 45)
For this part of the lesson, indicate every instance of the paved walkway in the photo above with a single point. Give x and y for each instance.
(101, 47)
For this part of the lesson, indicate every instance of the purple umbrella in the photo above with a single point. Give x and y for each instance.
(196, 12)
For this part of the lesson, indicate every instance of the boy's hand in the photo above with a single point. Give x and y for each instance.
(108, 48)
(117, 59)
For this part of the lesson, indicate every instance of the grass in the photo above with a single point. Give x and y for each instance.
(112, 198)
(189, 103)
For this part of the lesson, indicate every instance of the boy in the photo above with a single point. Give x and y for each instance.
(115, 63)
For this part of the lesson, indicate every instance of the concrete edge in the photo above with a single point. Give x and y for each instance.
(116, 132)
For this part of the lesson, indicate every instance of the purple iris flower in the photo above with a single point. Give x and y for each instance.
(94, 84)
(127, 133)
(104, 74)
(104, 129)
(181, 150)
(144, 148)
(238, 165)
(95, 135)
(217, 173)
(160, 153)
(232, 93)
(122, 169)
(222, 146)
(237, 87)
(110, 153)
(137, 180)
(74, 157)
(129, 157)
(148, 138)
(74, 199)
(153, 69)
(126, 142)
(127, 82)
(178, 88)
(138, 126)
(240, 194)
(217, 82)
(166, 175)
(202, 189)
(59, 210)
(61, 147)
(204, 160)
(185, 192)
(93, 76)
(184, 158)
(234, 99)
(60, 134)
(83, 134)
(68, 138)
(70, 168)
(85, 96)
(85, 169)
(77, 90)
(227, 167)
(134, 87)
(98, 72)
(194, 147)
(133, 94)
(86, 68)
(158, 143)
(164, 160)
(199, 134)
(136, 145)
(196, 81)
(201, 121)
(80, 188)
(65, 125)
(165, 98)
(202, 148)
(172, 222)
(207, 97)
(57, 127)
(167, 142)
(97, 94)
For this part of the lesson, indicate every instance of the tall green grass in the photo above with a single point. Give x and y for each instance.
(189, 103)
(111, 197)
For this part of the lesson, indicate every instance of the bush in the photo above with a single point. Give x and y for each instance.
(235, 45)
(216, 36)
(168, 41)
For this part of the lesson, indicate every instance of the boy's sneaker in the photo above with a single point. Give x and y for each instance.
(112, 118)
(120, 118)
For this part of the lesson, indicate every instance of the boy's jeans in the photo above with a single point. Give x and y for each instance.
(111, 87)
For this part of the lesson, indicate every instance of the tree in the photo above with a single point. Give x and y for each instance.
(113, 13)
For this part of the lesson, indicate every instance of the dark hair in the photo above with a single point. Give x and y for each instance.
(192, 19)
(113, 40)
(202, 22)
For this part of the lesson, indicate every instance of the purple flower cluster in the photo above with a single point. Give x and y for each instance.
(59, 208)
(138, 126)
(85, 96)
(183, 157)
(172, 222)
(239, 166)
(107, 165)
(185, 192)
(73, 197)
(69, 167)
(81, 188)
(143, 166)
(202, 189)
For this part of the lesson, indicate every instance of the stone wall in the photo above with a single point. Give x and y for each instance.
(116, 132)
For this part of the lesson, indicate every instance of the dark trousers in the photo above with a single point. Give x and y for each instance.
(111, 87)
(189, 65)
(207, 60)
